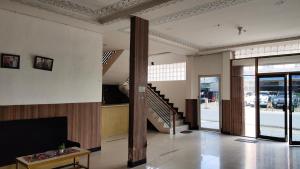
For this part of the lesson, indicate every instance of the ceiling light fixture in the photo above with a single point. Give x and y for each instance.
(241, 30)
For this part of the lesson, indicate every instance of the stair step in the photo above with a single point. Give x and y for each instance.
(154, 88)
(180, 128)
(179, 122)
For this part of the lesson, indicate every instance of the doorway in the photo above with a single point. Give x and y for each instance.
(209, 101)
(278, 107)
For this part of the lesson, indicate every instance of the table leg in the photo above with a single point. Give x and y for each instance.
(74, 162)
(88, 161)
(17, 165)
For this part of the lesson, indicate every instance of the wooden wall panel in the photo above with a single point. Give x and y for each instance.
(226, 117)
(192, 113)
(84, 119)
(237, 101)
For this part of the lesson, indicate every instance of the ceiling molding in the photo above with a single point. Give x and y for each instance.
(141, 11)
(61, 4)
(183, 14)
(174, 39)
(149, 9)
(158, 36)
(126, 12)
(108, 14)
(238, 46)
(197, 10)
(119, 6)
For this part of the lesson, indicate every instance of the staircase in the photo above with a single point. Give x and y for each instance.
(160, 110)
(108, 58)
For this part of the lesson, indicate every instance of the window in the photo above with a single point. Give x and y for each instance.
(279, 49)
(167, 72)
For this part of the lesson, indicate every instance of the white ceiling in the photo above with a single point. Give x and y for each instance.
(186, 26)
(262, 20)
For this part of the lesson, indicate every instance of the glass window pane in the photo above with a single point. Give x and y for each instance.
(279, 64)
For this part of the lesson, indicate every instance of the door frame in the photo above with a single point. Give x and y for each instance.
(291, 142)
(220, 102)
(258, 135)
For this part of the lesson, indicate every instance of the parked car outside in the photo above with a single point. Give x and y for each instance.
(263, 99)
(279, 100)
(250, 100)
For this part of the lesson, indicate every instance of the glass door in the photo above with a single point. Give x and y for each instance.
(294, 115)
(209, 99)
(272, 107)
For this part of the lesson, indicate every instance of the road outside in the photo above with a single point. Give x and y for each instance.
(210, 115)
(272, 120)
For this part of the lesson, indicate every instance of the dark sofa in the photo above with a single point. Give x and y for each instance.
(25, 137)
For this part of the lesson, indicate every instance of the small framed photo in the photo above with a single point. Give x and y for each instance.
(10, 61)
(43, 63)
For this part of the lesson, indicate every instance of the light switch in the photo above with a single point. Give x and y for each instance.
(142, 89)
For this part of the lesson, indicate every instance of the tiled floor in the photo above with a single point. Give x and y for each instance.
(200, 150)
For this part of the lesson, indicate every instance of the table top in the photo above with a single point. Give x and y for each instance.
(79, 152)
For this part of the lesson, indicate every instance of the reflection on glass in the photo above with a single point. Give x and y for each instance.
(249, 103)
(295, 107)
(209, 102)
(271, 104)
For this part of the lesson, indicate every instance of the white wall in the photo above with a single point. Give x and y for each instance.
(214, 64)
(173, 90)
(77, 70)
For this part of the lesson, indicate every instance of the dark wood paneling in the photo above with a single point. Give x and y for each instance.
(137, 139)
(83, 119)
(226, 117)
(237, 101)
(191, 115)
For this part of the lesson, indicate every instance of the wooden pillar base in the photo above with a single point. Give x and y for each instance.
(132, 164)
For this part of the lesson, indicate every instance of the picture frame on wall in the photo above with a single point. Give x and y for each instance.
(43, 63)
(10, 61)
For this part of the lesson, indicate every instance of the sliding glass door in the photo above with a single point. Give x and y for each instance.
(294, 115)
(272, 107)
(209, 102)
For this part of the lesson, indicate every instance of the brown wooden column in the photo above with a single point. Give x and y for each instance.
(137, 139)
(237, 101)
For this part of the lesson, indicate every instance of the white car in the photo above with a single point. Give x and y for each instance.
(263, 99)
(250, 100)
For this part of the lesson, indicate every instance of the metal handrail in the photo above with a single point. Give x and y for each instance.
(171, 109)
(158, 108)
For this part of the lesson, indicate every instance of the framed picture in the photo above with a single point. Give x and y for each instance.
(10, 61)
(43, 63)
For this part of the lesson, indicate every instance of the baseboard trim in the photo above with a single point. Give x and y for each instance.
(132, 164)
(95, 149)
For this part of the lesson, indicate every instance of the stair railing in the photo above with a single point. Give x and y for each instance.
(158, 105)
(164, 106)
(106, 56)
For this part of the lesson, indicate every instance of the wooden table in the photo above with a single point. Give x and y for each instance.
(57, 159)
